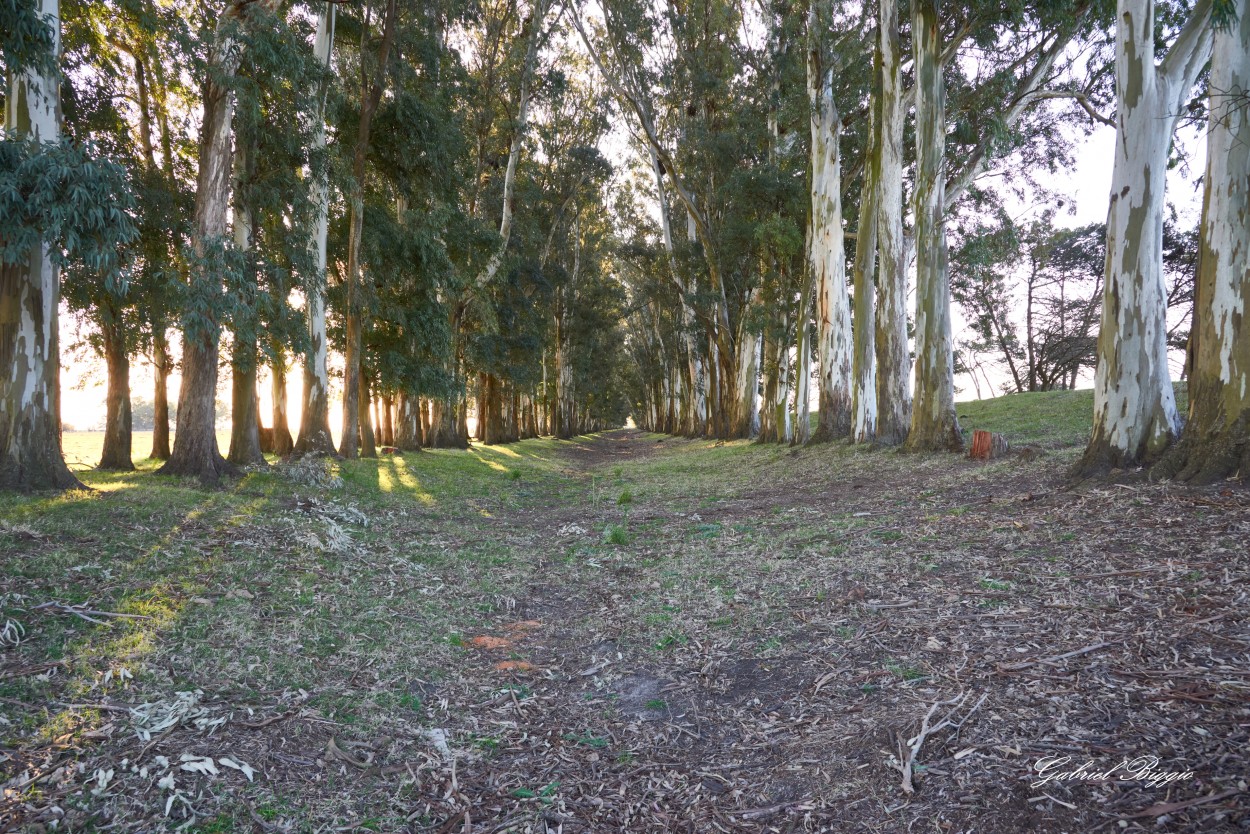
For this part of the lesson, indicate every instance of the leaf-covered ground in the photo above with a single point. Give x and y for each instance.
(627, 633)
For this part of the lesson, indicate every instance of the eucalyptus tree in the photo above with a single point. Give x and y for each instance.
(884, 175)
(416, 231)
(314, 431)
(1216, 439)
(1135, 416)
(505, 52)
(273, 227)
(374, 71)
(934, 424)
(113, 93)
(54, 208)
(827, 248)
(1003, 61)
(569, 176)
(195, 450)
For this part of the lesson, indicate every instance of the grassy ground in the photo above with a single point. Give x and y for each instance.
(627, 633)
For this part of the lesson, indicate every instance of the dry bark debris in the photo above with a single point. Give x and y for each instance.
(751, 665)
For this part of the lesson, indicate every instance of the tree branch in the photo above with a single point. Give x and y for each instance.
(1081, 99)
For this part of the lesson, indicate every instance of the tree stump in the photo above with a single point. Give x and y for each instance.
(987, 445)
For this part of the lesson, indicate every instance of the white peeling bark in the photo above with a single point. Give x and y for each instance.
(827, 256)
(934, 425)
(747, 383)
(863, 274)
(691, 376)
(1135, 417)
(893, 359)
(1216, 442)
(537, 15)
(698, 367)
(314, 430)
(30, 436)
(803, 358)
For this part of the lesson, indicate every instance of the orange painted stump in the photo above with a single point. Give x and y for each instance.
(987, 445)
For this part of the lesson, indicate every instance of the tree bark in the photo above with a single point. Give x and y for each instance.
(117, 455)
(244, 409)
(1216, 440)
(748, 382)
(245, 448)
(387, 403)
(283, 444)
(368, 441)
(408, 428)
(30, 430)
(162, 363)
(863, 360)
(934, 424)
(314, 431)
(1135, 416)
(827, 253)
(893, 359)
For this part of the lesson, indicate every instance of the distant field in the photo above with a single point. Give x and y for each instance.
(82, 448)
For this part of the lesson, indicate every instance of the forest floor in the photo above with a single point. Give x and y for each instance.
(628, 632)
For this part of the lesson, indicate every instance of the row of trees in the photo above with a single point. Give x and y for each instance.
(786, 138)
(416, 186)
(420, 187)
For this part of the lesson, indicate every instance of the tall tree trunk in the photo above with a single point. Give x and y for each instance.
(408, 428)
(934, 424)
(245, 408)
(803, 356)
(863, 364)
(354, 416)
(387, 404)
(368, 441)
(1216, 440)
(283, 444)
(117, 420)
(893, 359)
(685, 424)
(537, 18)
(314, 430)
(30, 430)
(195, 449)
(1135, 416)
(747, 382)
(827, 254)
(162, 363)
(349, 442)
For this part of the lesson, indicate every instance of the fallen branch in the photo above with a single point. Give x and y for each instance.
(88, 614)
(772, 810)
(1015, 667)
(908, 762)
(256, 725)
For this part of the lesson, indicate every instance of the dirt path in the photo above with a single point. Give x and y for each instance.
(615, 634)
(787, 698)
